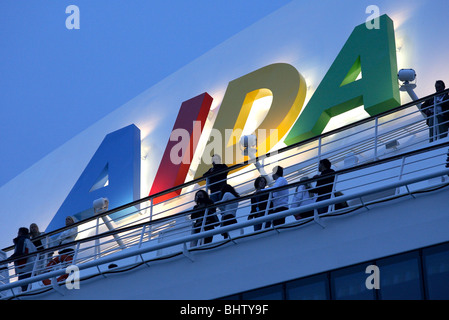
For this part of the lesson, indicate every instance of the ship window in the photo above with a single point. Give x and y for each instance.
(400, 277)
(350, 284)
(312, 288)
(268, 293)
(436, 272)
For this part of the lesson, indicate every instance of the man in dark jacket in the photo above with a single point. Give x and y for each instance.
(23, 246)
(437, 113)
(216, 178)
(324, 184)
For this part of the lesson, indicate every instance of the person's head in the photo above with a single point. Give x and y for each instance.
(201, 196)
(277, 172)
(260, 183)
(439, 86)
(34, 229)
(216, 159)
(23, 231)
(69, 220)
(325, 164)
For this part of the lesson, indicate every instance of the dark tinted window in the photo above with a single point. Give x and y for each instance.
(313, 288)
(436, 272)
(400, 277)
(269, 293)
(349, 284)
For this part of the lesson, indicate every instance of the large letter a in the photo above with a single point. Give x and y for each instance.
(113, 173)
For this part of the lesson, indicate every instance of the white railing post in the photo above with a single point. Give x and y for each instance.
(376, 136)
(97, 241)
(203, 224)
(435, 126)
(151, 210)
(142, 235)
(150, 225)
(317, 219)
(319, 149)
(401, 172)
(267, 209)
(33, 272)
(75, 254)
(334, 184)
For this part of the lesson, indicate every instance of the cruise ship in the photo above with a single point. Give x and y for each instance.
(130, 182)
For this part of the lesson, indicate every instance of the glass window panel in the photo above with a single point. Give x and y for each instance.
(269, 293)
(436, 267)
(349, 284)
(313, 288)
(400, 277)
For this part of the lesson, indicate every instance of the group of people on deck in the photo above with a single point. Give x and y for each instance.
(30, 240)
(435, 110)
(205, 215)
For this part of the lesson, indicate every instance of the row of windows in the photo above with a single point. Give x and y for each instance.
(416, 275)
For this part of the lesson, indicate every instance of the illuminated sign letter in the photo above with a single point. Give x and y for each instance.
(369, 52)
(287, 88)
(113, 173)
(183, 141)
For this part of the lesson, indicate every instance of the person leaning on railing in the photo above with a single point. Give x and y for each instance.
(40, 244)
(279, 200)
(303, 196)
(325, 183)
(67, 236)
(259, 201)
(436, 110)
(216, 177)
(23, 246)
(203, 202)
(35, 234)
(228, 211)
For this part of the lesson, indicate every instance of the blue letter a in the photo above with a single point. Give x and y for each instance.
(113, 173)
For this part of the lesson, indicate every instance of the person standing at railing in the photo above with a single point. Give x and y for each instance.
(279, 199)
(65, 255)
(23, 246)
(35, 233)
(216, 177)
(325, 183)
(203, 203)
(437, 113)
(259, 201)
(67, 236)
(38, 243)
(303, 196)
(228, 211)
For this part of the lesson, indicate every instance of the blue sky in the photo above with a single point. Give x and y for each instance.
(56, 82)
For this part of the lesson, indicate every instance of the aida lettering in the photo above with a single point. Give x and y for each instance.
(363, 73)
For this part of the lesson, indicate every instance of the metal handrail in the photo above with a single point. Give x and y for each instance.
(240, 199)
